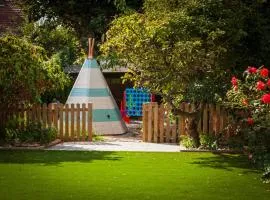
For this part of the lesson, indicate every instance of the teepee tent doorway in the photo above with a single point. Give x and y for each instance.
(91, 86)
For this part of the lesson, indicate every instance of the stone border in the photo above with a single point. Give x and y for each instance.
(41, 147)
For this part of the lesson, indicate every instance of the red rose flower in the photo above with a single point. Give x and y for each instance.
(250, 121)
(268, 83)
(260, 85)
(266, 98)
(234, 81)
(264, 72)
(252, 70)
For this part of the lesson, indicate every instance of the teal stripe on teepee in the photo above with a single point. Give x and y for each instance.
(90, 63)
(89, 92)
(106, 115)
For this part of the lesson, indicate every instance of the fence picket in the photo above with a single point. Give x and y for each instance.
(83, 122)
(168, 127)
(66, 121)
(161, 124)
(72, 122)
(155, 109)
(38, 111)
(182, 121)
(157, 126)
(78, 125)
(89, 121)
(44, 115)
(57, 115)
(150, 122)
(61, 124)
(205, 119)
(218, 116)
(145, 122)
(50, 116)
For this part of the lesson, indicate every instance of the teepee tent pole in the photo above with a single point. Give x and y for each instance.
(91, 43)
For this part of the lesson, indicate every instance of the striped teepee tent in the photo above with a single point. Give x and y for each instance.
(91, 86)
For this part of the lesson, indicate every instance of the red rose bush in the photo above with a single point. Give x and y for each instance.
(251, 95)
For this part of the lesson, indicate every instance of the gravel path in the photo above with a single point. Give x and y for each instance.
(117, 146)
(130, 141)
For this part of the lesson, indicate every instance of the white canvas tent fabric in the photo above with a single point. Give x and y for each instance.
(91, 86)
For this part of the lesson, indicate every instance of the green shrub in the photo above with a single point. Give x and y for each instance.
(266, 175)
(187, 142)
(208, 141)
(32, 132)
(235, 142)
(47, 135)
(97, 138)
(11, 131)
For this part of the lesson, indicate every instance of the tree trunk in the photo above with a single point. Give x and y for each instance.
(191, 124)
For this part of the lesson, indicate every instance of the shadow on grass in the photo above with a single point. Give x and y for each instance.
(227, 162)
(54, 157)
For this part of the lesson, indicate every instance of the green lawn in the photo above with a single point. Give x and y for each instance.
(124, 175)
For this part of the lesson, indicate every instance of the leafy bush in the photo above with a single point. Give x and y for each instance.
(97, 138)
(235, 142)
(32, 132)
(250, 98)
(187, 142)
(27, 72)
(47, 135)
(266, 175)
(208, 141)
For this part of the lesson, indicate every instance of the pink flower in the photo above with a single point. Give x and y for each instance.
(260, 85)
(234, 81)
(252, 70)
(266, 98)
(264, 72)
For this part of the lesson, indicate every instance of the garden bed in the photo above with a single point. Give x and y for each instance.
(30, 145)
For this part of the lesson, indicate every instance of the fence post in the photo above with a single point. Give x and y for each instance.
(83, 121)
(38, 107)
(145, 122)
(50, 115)
(29, 114)
(66, 121)
(34, 113)
(211, 118)
(78, 125)
(155, 109)
(205, 119)
(55, 115)
(218, 119)
(90, 121)
(200, 120)
(182, 121)
(168, 126)
(72, 122)
(150, 122)
(61, 119)
(161, 123)
(174, 138)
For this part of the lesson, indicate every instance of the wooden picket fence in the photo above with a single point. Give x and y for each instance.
(158, 127)
(72, 121)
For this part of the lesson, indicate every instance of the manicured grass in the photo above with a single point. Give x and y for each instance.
(125, 176)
